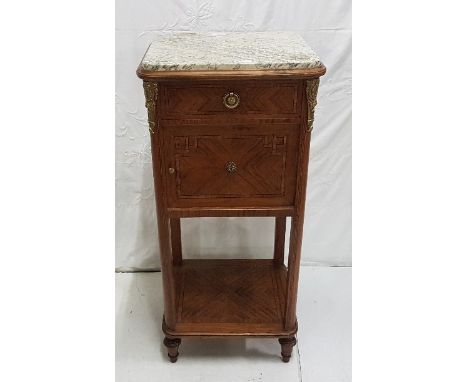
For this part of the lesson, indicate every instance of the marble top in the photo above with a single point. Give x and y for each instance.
(181, 51)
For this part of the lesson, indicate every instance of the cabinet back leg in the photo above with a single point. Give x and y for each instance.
(280, 231)
(176, 241)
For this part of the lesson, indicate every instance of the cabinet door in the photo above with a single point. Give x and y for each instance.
(244, 166)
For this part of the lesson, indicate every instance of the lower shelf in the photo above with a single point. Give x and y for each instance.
(230, 297)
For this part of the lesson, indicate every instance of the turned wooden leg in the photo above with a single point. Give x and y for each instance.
(287, 345)
(172, 345)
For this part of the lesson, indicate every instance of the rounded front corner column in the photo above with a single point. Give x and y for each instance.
(152, 104)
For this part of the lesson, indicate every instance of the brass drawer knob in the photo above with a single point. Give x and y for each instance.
(171, 170)
(231, 167)
(231, 100)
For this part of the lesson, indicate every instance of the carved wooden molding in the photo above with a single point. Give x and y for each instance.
(312, 88)
(151, 95)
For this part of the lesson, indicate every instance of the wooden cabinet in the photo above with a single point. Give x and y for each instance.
(230, 142)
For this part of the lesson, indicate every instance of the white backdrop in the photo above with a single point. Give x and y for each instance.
(326, 26)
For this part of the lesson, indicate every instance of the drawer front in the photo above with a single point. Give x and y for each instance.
(245, 166)
(231, 98)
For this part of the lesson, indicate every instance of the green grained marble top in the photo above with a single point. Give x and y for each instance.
(182, 51)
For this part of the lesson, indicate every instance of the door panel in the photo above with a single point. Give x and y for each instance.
(231, 165)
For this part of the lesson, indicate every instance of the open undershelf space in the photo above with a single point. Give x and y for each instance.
(324, 338)
(230, 297)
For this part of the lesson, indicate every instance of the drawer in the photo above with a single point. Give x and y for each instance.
(231, 98)
(231, 165)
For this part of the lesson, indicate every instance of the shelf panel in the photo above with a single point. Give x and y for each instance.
(230, 297)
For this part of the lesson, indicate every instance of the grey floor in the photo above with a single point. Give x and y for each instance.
(323, 353)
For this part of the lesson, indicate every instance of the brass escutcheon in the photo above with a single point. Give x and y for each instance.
(231, 100)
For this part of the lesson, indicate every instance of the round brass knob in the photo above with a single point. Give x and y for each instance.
(231, 100)
(171, 170)
(231, 167)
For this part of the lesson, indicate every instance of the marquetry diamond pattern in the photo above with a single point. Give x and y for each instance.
(223, 294)
(201, 165)
(203, 100)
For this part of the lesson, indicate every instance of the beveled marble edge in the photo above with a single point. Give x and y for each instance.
(314, 72)
(225, 67)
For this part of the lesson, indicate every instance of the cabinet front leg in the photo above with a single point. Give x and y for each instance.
(287, 345)
(172, 345)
